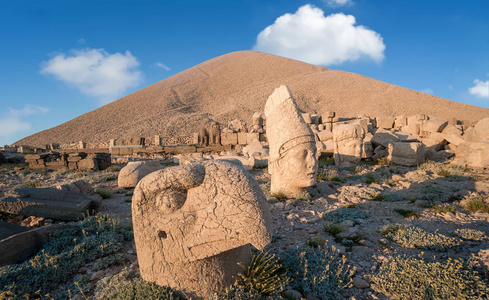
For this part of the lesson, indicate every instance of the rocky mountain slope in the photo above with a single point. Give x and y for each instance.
(238, 84)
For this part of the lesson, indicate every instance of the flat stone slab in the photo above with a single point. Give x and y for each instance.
(19, 246)
(48, 203)
(7, 229)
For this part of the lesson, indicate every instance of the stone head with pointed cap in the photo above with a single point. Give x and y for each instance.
(292, 158)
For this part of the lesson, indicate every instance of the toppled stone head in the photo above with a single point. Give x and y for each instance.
(348, 139)
(194, 223)
(292, 158)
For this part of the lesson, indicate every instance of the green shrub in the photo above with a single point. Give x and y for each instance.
(344, 213)
(470, 234)
(443, 208)
(264, 275)
(325, 161)
(383, 161)
(437, 194)
(477, 204)
(129, 285)
(318, 271)
(33, 183)
(66, 251)
(406, 277)
(116, 259)
(415, 237)
(304, 195)
(279, 195)
(316, 241)
(333, 229)
(113, 169)
(369, 179)
(104, 193)
(406, 213)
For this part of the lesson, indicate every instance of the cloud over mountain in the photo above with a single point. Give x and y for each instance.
(309, 36)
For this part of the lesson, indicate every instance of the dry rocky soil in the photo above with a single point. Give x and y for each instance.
(360, 211)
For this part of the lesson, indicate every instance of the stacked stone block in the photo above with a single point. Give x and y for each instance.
(72, 161)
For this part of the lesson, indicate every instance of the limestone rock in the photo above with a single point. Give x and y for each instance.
(21, 243)
(348, 140)
(325, 135)
(386, 123)
(292, 158)
(475, 155)
(406, 154)
(384, 137)
(453, 130)
(79, 186)
(436, 141)
(194, 223)
(133, 172)
(48, 203)
(481, 131)
(434, 125)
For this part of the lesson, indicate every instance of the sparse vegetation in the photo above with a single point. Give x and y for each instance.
(67, 250)
(129, 285)
(406, 213)
(333, 229)
(344, 213)
(415, 237)
(383, 161)
(104, 193)
(476, 203)
(264, 275)
(369, 179)
(470, 234)
(318, 272)
(443, 208)
(304, 195)
(405, 277)
(278, 195)
(325, 161)
(316, 241)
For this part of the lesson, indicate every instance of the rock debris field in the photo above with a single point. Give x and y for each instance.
(403, 232)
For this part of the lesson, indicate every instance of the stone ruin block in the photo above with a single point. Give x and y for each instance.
(386, 123)
(433, 125)
(324, 135)
(130, 141)
(328, 115)
(436, 141)
(242, 138)
(400, 121)
(406, 154)
(195, 139)
(229, 138)
(384, 137)
(474, 155)
(48, 203)
(257, 119)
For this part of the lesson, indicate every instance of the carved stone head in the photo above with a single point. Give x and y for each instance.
(292, 158)
(348, 139)
(193, 223)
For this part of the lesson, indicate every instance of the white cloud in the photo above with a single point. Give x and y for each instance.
(427, 91)
(163, 66)
(309, 36)
(337, 3)
(96, 72)
(12, 121)
(480, 89)
(450, 87)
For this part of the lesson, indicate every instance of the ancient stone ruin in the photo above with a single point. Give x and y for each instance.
(292, 158)
(194, 223)
(73, 161)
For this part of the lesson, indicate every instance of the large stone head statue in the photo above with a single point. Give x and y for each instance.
(194, 223)
(348, 139)
(292, 157)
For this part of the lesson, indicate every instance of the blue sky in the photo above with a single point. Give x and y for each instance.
(60, 59)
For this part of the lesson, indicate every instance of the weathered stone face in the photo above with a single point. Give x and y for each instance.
(292, 157)
(348, 140)
(193, 224)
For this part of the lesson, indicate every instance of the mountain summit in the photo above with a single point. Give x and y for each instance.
(238, 84)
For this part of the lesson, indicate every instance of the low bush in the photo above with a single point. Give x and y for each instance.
(325, 161)
(66, 251)
(383, 161)
(443, 208)
(405, 277)
(415, 237)
(470, 234)
(104, 193)
(476, 204)
(344, 213)
(369, 179)
(129, 285)
(318, 272)
(406, 213)
(333, 229)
